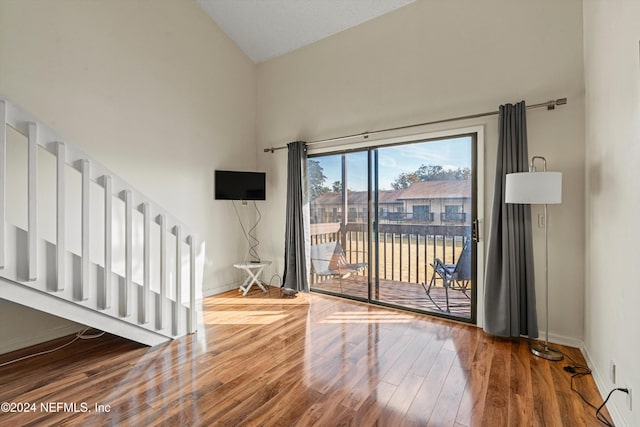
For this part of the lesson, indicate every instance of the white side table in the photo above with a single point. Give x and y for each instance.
(253, 271)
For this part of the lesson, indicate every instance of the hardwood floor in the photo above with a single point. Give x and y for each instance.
(312, 360)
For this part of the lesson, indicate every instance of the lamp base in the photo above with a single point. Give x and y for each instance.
(546, 352)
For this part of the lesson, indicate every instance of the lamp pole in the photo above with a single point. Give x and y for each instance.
(543, 350)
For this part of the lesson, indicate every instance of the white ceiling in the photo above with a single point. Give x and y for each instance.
(264, 29)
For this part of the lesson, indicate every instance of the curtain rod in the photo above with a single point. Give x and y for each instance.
(551, 105)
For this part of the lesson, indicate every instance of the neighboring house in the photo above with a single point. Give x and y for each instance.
(438, 202)
(327, 207)
(431, 202)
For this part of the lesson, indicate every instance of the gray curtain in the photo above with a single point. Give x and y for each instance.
(296, 232)
(509, 298)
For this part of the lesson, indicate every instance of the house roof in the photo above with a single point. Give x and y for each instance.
(357, 197)
(418, 190)
(450, 189)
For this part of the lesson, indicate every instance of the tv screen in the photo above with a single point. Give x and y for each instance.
(230, 185)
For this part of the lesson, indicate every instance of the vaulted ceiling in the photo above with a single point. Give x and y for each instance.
(264, 29)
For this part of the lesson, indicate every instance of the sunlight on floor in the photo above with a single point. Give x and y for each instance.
(266, 300)
(367, 317)
(243, 317)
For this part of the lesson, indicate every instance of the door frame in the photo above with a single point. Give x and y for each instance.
(478, 186)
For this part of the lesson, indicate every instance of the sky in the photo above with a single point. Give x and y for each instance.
(451, 153)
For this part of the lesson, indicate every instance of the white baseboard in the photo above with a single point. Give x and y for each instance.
(603, 387)
(564, 340)
(207, 292)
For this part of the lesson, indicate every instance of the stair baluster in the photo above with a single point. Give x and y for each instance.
(146, 263)
(3, 180)
(85, 169)
(32, 208)
(176, 305)
(105, 300)
(191, 319)
(128, 251)
(61, 215)
(162, 221)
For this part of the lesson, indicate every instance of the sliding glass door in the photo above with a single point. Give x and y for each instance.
(394, 225)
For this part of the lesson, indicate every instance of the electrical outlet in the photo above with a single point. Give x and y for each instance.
(612, 371)
(541, 221)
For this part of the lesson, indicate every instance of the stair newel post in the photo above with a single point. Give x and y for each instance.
(3, 179)
(85, 170)
(191, 320)
(108, 227)
(125, 305)
(143, 314)
(160, 302)
(61, 215)
(178, 302)
(32, 204)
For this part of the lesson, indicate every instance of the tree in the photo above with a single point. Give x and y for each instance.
(404, 180)
(336, 187)
(430, 173)
(316, 176)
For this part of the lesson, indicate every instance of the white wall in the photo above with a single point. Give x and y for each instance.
(21, 326)
(612, 77)
(432, 60)
(152, 89)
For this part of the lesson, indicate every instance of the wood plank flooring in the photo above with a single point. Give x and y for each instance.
(312, 360)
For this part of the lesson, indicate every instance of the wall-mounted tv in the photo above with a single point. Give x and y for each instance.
(232, 185)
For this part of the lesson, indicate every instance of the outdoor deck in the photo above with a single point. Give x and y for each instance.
(410, 295)
(407, 253)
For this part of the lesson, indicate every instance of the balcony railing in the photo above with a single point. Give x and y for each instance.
(425, 217)
(406, 251)
(453, 217)
(422, 217)
(391, 217)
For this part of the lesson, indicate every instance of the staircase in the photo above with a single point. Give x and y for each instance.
(86, 246)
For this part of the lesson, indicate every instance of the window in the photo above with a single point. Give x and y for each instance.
(453, 213)
(352, 214)
(335, 217)
(422, 213)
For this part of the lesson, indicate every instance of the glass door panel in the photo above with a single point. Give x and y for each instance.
(425, 208)
(339, 216)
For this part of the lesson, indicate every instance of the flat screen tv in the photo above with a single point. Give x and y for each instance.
(231, 185)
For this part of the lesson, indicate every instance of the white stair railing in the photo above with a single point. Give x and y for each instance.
(92, 284)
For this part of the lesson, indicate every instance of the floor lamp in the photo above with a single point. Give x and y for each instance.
(538, 188)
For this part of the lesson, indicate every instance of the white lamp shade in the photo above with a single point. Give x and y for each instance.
(534, 188)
